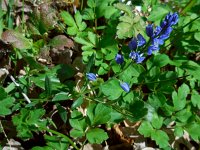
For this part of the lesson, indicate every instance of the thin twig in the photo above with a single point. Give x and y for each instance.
(5, 135)
(17, 85)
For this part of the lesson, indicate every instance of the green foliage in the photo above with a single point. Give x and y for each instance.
(163, 89)
(76, 25)
(129, 24)
(93, 138)
(28, 121)
(52, 143)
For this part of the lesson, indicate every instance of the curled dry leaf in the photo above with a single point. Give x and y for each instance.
(16, 39)
(60, 42)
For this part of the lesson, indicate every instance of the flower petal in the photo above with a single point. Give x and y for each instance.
(91, 76)
(125, 86)
(119, 58)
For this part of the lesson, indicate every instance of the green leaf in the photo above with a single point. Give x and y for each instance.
(191, 68)
(48, 88)
(3, 94)
(161, 60)
(146, 129)
(179, 99)
(92, 37)
(178, 131)
(81, 25)
(77, 133)
(62, 112)
(78, 122)
(161, 138)
(61, 96)
(126, 8)
(95, 114)
(112, 89)
(90, 63)
(184, 115)
(157, 121)
(5, 104)
(27, 121)
(93, 138)
(158, 13)
(157, 100)
(195, 98)
(77, 103)
(194, 129)
(67, 18)
(197, 36)
(56, 142)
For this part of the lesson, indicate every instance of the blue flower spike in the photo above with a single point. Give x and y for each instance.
(91, 76)
(133, 44)
(149, 30)
(161, 33)
(125, 86)
(137, 57)
(119, 59)
(141, 40)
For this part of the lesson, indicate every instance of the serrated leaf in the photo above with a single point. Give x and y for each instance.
(146, 129)
(112, 89)
(179, 99)
(77, 133)
(126, 8)
(195, 98)
(67, 18)
(194, 129)
(92, 37)
(93, 138)
(157, 121)
(192, 68)
(78, 18)
(161, 138)
(5, 104)
(95, 114)
(27, 121)
(178, 131)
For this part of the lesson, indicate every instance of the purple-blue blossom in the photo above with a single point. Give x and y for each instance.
(119, 59)
(137, 57)
(161, 33)
(91, 76)
(125, 86)
(133, 44)
(149, 30)
(141, 40)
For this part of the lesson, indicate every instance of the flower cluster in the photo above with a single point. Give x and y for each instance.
(161, 33)
(157, 38)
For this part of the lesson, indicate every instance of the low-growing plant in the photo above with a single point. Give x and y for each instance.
(140, 66)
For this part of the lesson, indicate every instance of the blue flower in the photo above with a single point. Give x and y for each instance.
(125, 86)
(171, 19)
(133, 44)
(141, 40)
(119, 58)
(161, 32)
(137, 57)
(91, 76)
(149, 30)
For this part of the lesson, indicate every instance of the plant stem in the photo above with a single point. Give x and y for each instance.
(61, 135)
(189, 5)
